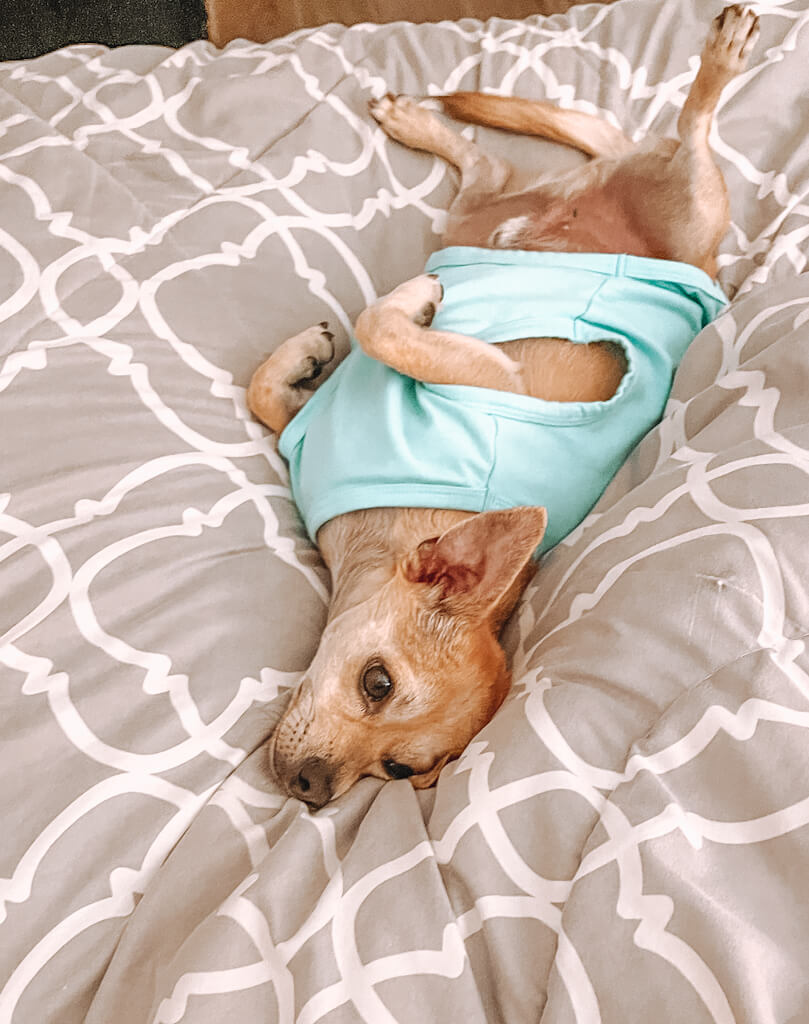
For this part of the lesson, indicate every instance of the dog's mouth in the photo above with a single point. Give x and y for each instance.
(279, 777)
(269, 755)
(271, 747)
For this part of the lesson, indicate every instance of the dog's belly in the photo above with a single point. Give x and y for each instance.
(593, 221)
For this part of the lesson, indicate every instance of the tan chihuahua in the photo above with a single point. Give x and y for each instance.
(409, 667)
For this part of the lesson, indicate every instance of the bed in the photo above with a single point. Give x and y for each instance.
(628, 840)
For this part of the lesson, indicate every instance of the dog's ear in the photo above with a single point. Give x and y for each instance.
(471, 566)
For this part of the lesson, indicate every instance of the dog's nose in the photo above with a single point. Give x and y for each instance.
(312, 782)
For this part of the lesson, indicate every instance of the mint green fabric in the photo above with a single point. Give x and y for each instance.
(371, 437)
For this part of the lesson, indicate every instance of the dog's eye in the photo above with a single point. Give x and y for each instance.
(376, 683)
(396, 770)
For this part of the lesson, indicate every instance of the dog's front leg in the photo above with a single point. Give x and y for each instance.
(395, 331)
(284, 382)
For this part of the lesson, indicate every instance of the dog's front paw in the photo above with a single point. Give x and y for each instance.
(284, 382)
(310, 353)
(418, 298)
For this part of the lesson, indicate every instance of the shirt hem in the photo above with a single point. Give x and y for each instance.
(353, 499)
(645, 268)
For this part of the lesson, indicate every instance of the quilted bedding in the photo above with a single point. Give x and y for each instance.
(628, 840)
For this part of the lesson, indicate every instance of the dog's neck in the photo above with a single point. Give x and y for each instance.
(363, 548)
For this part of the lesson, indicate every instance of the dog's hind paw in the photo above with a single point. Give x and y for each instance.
(734, 33)
(403, 119)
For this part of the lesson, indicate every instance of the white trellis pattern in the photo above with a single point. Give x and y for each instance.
(628, 840)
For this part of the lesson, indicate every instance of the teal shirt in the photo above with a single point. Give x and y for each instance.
(371, 437)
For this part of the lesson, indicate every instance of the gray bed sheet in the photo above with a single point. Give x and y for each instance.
(628, 840)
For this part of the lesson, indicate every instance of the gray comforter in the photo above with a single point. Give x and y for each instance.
(628, 840)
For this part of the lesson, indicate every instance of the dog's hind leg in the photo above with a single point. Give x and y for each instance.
(483, 176)
(284, 382)
(732, 37)
(675, 193)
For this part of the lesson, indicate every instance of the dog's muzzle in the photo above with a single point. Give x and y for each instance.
(304, 775)
(312, 781)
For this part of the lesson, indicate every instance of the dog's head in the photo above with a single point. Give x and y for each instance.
(402, 681)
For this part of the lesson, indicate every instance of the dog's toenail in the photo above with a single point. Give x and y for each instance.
(435, 277)
(324, 323)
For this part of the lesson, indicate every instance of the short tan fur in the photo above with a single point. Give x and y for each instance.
(409, 667)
